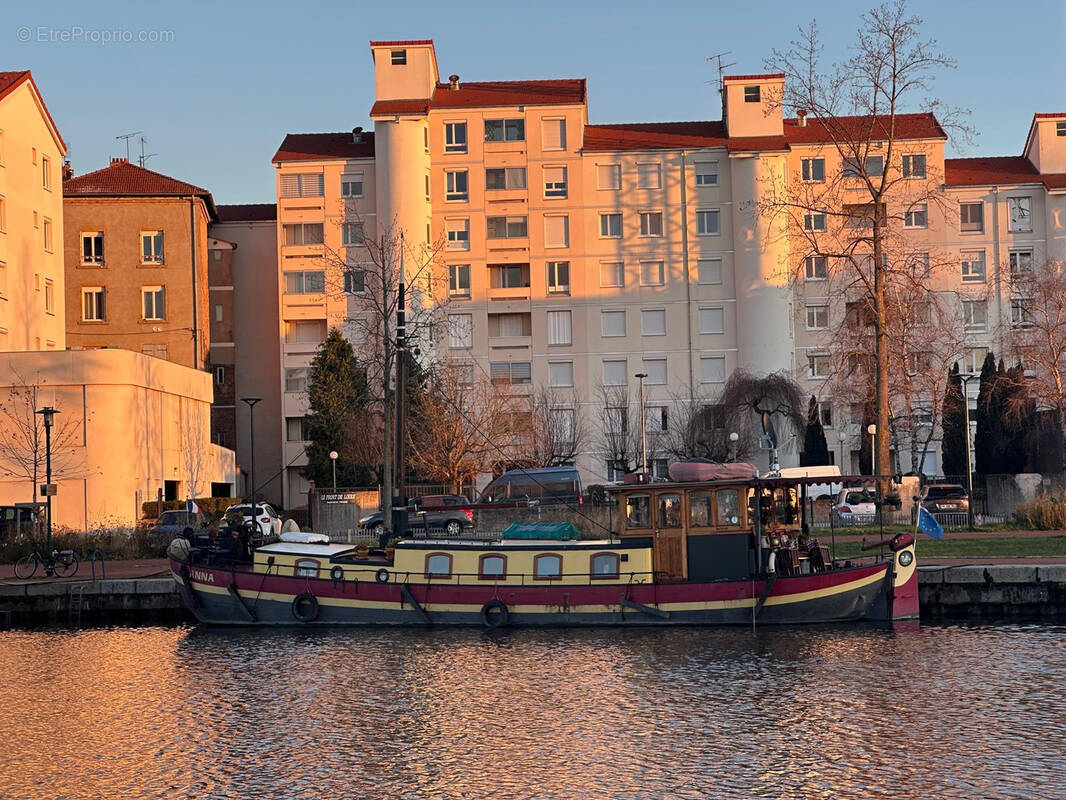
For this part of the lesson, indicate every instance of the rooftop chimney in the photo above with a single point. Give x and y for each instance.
(453, 81)
(68, 171)
(801, 117)
(357, 135)
(119, 161)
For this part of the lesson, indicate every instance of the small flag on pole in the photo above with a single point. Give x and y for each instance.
(928, 525)
(191, 507)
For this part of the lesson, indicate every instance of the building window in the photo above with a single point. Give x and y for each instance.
(297, 379)
(427, 192)
(46, 173)
(1060, 129)
(305, 233)
(707, 223)
(652, 273)
(48, 234)
(612, 323)
(916, 216)
(460, 331)
(438, 565)
(614, 373)
(812, 170)
(507, 228)
(825, 413)
(1021, 313)
(92, 304)
(611, 226)
(398, 58)
(712, 320)
(49, 296)
(92, 247)
(556, 230)
(814, 222)
(152, 247)
(603, 565)
(615, 421)
(914, 165)
(971, 217)
(492, 567)
(354, 281)
(456, 185)
(649, 176)
(352, 233)
(505, 130)
(706, 173)
(817, 365)
(973, 266)
(555, 181)
(513, 373)
(352, 185)
(816, 268)
(459, 280)
(752, 94)
(1021, 261)
(553, 134)
(817, 318)
(919, 361)
(1021, 216)
(561, 373)
(560, 328)
(3, 279)
(975, 314)
(502, 178)
(612, 273)
(656, 371)
(651, 223)
(220, 376)
(609, 176)
(307, 282)
(712, 369)
(558, 277)
(154, 302)
(3, 214)
(454, 137)
(656, 419)
(309, 184)
(975, 358)
(653, 322)
(709, 270)
(509, 276)
(296, 429)
(458, 231)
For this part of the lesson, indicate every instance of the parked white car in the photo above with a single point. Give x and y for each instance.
(266, 519)
(855, 506)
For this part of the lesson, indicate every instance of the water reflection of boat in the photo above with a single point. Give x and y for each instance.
(722, 552)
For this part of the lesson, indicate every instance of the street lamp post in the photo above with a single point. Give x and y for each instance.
(251, 401)
(843, 439)
(872, 430)
(333, 457)
(969, 466)
(734, 437)
(643, 423)
(48, 414)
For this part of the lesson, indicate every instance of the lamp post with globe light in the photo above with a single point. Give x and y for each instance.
(734, 437)
(872, 430)
(333, 457)
(843, 439)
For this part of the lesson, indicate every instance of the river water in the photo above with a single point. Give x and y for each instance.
(831, 712)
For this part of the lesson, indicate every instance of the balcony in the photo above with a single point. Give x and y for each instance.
(508, 293)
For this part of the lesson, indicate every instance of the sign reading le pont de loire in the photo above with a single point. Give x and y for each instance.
(359, 498)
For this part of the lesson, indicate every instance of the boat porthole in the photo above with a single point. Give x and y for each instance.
(905, 558)
(494, 614)
(382, 576)
(337, 573)
(305, 607)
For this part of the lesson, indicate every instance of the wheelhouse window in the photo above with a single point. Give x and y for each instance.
(547, 566)
(306, 568)
(699, 509)
(438, 565)
(604, 565)
(728, 507)
(670, 510)
(492, 567)
(638, 511)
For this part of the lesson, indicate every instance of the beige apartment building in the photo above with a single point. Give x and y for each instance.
(31, 219)
(137, 263)
(581, 255)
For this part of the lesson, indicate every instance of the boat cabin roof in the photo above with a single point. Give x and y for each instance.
(751, 483)
(305, 549)
(512, 544)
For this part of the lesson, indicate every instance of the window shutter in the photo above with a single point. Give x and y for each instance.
(554, 134)
(712, 320)
(557, 231)
(561, 373)
(290, 185)
(613, 323)
(559, 327)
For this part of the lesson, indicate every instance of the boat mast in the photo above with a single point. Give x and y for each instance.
(399, 515)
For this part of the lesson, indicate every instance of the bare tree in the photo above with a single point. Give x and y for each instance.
(193, 433)
(875, 181)
(619, 435)
(22, 440)
(557, 428)
(1037, 333)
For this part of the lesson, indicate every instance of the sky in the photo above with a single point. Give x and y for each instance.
(215, 86)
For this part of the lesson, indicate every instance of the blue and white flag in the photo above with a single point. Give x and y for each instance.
(928, 525)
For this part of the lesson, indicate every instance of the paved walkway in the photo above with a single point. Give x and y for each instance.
(121, 570)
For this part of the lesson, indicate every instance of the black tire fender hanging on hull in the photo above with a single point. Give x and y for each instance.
(305, 607)
(495, 614)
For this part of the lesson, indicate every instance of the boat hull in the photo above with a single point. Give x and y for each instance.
(221, 596)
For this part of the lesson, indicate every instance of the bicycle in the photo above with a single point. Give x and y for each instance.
(62, 563)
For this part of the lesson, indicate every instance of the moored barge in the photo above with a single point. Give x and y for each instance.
(727, 552)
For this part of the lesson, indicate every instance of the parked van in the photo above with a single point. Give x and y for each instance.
(548, 486)
(816, 490)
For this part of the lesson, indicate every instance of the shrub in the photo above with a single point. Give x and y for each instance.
(213, 507)
(1045, 513)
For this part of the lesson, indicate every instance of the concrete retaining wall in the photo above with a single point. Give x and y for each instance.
(63, 603)
(1001, 592)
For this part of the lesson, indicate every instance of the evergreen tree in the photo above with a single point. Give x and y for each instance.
(953, 443)
(815, 449)
(985, 437)
(1017, 407)
(338, 415)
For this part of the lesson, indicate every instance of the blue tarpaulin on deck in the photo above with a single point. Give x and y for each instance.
(541, 530)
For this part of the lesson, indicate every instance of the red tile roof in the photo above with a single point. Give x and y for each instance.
(821, 131)
(997, 171)
(123, 179)
(316, 146)
(655, 135)
(1049, 116)
(767, 76)
(9, 81)
(510, 93)
(398, 42)
(390, 107)
(248, 212)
